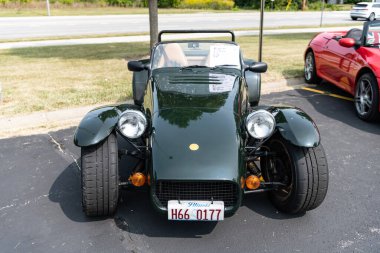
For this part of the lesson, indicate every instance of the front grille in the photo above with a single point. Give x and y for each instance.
(214, 190)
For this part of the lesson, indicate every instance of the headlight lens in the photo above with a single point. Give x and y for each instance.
(132, 124)
(260, 124)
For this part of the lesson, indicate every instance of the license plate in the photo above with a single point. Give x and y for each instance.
(195, 210)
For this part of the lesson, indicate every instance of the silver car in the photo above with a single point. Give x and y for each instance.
(369, 11)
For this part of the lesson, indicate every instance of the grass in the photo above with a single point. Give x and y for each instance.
(283, 53)
(51, 78)
(86, 36)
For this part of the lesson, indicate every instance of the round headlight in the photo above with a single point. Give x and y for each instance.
(260, 124)
(132, 124)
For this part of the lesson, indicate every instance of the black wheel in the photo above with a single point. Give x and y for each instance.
(371, 17)
(310, 70)
(303, 171)
(354, 18)
(367, 98)
(100, 180)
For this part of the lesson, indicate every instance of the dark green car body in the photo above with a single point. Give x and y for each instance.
(215, 122)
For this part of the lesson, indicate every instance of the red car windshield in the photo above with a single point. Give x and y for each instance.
(373, 35)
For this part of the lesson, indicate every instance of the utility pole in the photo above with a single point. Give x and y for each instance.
(153, 22)
(262, 5)
(48, 7)
(322, 9)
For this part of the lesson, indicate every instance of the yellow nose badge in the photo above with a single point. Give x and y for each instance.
(194, 147)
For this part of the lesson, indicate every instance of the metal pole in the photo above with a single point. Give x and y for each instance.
(1, 95)
(323, 7)
(48, 7)
(261, 29)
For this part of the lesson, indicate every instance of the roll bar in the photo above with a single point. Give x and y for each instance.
(196, 31)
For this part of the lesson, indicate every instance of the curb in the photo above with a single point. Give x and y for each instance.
(44, 122)
(283, 85)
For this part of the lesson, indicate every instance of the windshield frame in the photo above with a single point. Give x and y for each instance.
(195, 41)
(366, 27)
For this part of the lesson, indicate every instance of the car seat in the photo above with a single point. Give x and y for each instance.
(172, 56)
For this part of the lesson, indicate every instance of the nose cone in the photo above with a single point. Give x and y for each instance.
(205, 148)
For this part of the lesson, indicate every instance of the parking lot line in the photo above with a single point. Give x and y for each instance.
(327, 93)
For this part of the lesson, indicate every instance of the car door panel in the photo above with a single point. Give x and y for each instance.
(320, 60)
(342, 64)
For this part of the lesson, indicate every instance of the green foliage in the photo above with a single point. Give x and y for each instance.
(208, 4)
(120, 2)
(247, 3)
(295, 4)
(192, 4)
(66, 2)
(168, 3)
(318, 6)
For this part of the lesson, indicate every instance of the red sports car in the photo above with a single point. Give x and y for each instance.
(351, 61)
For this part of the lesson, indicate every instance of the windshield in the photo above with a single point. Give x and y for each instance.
(196, 54)
(373, 34)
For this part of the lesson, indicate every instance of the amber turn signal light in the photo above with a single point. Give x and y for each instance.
(138, 179)
(252, 182)
(242, 182)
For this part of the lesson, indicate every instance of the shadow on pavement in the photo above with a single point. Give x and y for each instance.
(66, 190)
(260, 204)
(338, 109)
(137, 215)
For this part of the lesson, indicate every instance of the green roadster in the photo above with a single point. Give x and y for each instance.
(200, 139)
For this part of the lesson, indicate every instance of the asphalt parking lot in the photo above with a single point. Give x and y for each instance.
(40, 203)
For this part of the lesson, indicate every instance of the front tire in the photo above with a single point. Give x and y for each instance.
(310, 70)
(354, 18)
(303, 171)
(100, 180)
(367, 98)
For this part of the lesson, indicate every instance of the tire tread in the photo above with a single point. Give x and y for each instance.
(100, 178)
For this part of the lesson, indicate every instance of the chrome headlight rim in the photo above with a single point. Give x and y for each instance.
(256, 114)
(121, 122)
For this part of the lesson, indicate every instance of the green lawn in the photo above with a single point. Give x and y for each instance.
(51, 78)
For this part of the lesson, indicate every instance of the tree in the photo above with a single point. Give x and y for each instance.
(303, 5)
(153, 21)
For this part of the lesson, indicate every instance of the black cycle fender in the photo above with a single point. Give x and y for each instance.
(296, 126)
(98, 124)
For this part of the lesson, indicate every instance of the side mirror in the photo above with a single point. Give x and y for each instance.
(347, 42)
(136, 66)
(257, 67)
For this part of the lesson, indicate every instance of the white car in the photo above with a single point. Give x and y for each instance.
(369, 11)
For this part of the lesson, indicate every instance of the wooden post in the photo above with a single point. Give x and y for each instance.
(153, 21)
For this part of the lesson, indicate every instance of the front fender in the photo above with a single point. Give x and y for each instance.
(254, 86)
(98, 124)
(296, 126)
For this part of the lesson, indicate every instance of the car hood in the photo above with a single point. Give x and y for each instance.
(196, 137)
